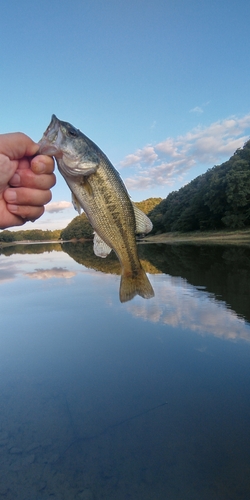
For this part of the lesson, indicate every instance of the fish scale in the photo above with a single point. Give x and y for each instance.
(98, 189)
(106, 210)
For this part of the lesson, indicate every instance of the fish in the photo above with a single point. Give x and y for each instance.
(99, 191)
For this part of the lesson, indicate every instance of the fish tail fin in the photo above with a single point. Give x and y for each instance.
(135, 284)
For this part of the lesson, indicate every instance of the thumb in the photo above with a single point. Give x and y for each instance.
(7, 170)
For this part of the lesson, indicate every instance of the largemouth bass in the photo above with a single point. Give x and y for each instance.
(98, 189)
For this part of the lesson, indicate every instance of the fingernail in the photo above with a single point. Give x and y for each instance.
(10, 195)
(39, 167)
(15, 180)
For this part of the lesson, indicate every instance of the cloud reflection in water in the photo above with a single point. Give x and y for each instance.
(54, 272)
(184, 306)
(8, 273)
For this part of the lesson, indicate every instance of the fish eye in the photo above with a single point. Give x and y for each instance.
(72, 132)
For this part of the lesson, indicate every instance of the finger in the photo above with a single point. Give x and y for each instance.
(24, 163)
(27, 178)
(42, 164)
(11, 220)
(17, 145)
(24, 213)
(27, 197)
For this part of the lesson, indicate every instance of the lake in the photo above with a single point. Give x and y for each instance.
(146, 400)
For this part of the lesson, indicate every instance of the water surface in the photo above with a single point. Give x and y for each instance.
(145, 400)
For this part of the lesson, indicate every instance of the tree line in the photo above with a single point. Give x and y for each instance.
(7, 236)
(218, 199)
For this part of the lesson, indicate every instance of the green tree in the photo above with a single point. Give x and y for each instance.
(147, 205)
(219, 198)
(78, 228)
(7, 236)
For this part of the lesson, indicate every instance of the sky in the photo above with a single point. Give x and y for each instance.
(161, 86)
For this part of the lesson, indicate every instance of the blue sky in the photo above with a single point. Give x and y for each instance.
(162, 86)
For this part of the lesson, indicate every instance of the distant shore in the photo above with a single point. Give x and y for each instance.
(223, 237)
(27, 242)
(237, 237)
(4, 244)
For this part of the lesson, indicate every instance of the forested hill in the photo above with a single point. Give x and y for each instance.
(218, 199)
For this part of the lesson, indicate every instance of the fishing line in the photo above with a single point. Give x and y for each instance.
(107, 429)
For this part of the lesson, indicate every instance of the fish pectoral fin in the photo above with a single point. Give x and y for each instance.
(87, 186)
(143, 223)
(101, 249)
(76, 204)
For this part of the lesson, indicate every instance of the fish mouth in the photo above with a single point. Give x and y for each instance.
(50, 142)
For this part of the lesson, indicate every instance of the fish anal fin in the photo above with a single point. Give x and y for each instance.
(135, 284)
(101, 249)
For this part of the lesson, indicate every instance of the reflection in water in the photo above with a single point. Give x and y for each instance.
(55, 272)
(130, 286)
(180, 305)
(221, 271)
(198, 282)
(107, 401)
(30, 248)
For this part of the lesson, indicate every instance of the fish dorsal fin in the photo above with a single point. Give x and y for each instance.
(143, 223)
(76, 204)
(101, 249)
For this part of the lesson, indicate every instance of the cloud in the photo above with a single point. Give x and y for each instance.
(198, 110)
(57, 206)
(146, 155)
(55, 272)
(167, 161)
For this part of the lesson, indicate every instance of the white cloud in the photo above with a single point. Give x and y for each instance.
(146, 155)
(57, 206)
(167, 161)
(198, 110)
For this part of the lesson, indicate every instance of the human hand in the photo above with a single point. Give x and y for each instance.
(25, 181)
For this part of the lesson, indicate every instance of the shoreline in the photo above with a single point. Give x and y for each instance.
(27, 242)
(237, 237)
(223, 237)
